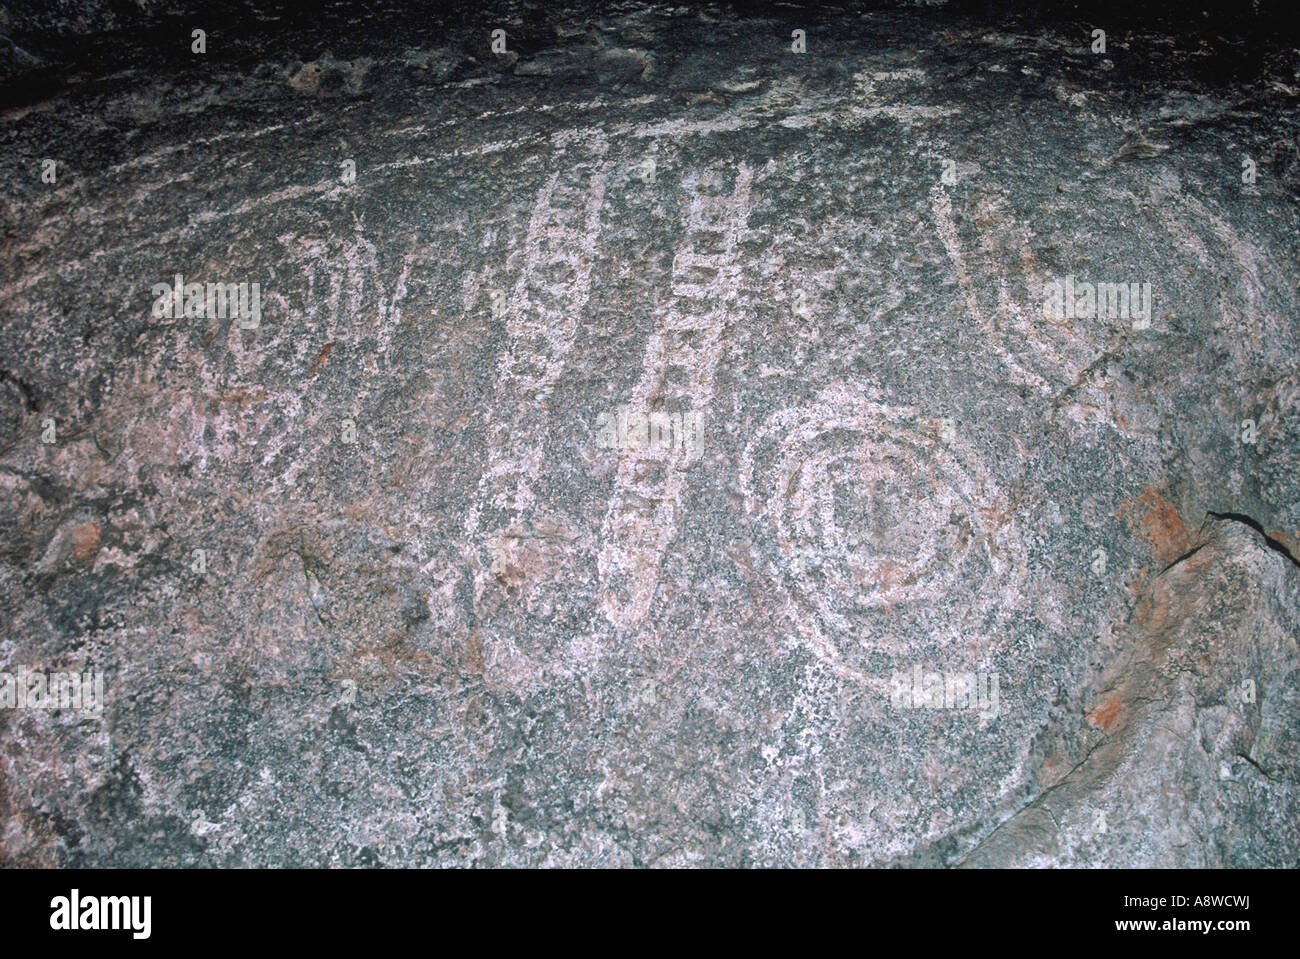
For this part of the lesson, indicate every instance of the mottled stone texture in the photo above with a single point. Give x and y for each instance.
(449, 609)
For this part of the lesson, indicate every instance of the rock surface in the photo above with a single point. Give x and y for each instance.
(384, 576)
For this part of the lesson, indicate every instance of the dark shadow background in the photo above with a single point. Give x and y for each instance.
(43, 39)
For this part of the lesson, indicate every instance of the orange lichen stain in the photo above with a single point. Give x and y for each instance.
(889, 575)
(243, 397)
(1291, 541)
(1136, 585)
(1108, 715)
(1160, 525)
(321, 357)
(1152, 613)
(85, 543)
(1054, 768)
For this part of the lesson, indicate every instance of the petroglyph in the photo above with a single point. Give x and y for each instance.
(678, 369)
(542, 317)
(626, 414)
(1002, 285)
(883, 529)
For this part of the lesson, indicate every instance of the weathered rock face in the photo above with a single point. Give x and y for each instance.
(1183, 739)
(650, 445)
